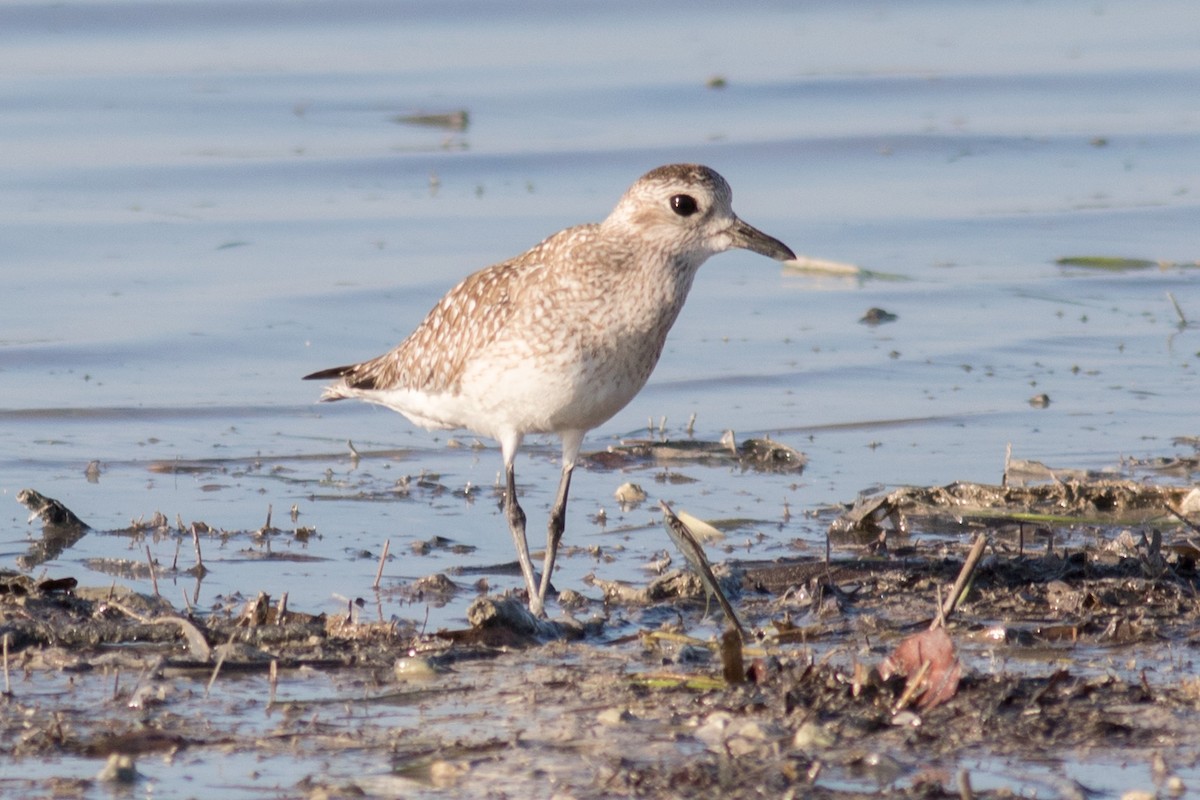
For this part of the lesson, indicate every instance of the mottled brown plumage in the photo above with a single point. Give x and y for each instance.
(560, 338)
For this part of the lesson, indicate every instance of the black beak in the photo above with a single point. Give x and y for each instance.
(751, 238)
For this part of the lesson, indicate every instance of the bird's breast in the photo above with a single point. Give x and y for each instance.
(574, 357)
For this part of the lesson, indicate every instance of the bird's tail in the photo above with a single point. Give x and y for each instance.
(334, 391)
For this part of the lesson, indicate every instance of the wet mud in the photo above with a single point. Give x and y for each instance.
(863, 674)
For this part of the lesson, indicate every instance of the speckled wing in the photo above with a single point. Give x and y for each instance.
(432, 358)
(469, 318)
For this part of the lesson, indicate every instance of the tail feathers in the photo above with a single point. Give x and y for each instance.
(336, 391)
(327, 374)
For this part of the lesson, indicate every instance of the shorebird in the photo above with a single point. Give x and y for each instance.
(560, 338)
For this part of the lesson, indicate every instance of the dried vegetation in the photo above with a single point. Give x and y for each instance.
(888, 669)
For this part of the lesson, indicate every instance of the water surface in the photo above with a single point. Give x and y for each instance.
(203, 202)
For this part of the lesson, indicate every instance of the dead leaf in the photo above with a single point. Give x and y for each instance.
(930, 663)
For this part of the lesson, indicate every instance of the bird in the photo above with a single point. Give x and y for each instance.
(560, 338)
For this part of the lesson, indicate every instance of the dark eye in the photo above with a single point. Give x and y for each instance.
(684, 205)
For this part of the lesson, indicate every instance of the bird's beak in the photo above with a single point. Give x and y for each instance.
(751, 238)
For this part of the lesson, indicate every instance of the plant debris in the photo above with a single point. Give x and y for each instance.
(764, 454)
(1008, 656)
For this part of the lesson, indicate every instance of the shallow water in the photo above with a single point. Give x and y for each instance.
(202, 204)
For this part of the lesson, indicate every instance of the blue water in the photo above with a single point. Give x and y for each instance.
(203, 201)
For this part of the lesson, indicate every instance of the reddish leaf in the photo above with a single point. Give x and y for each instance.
(929, 661)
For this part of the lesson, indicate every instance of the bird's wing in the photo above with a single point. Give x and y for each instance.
(472, 315)
(433, 357)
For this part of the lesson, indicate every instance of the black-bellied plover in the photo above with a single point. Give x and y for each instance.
(560, 338)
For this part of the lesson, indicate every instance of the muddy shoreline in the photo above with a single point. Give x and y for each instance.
(1072, 642)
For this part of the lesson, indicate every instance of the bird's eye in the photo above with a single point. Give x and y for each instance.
(684, 205)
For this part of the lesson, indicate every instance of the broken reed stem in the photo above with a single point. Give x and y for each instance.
(732, 666)
(153, 575)
(265, 530)
(1183, 323)
(940, 620)
(216, 670)
(1179, 515)
(965, 792)
(964, 577)
(914, 687)
(7, 682)
(186, 603)
(281, 609)
(274, 681)
(382, 560)
(196, 543)
(175, 560)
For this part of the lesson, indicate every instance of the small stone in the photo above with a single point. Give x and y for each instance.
(614, 717)
(414, 668)
(443, 774)
(811, 736)
(118, 769)
(629, 494)
(877, 316)
(571, 600)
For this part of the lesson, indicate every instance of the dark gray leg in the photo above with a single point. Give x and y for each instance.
(554, 532)
(516, 524)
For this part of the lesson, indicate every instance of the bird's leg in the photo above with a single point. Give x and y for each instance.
(558, 523)
(571, 442)
(516, 523)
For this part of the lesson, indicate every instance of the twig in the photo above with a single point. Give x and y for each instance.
(940, 620)
(964, 576)
(733, 667)
(7, 684)
(274, 681)
(266, 529)
(200, 570)
(1183, 323)
(216, 670)
(965, 792)
(382, 560)
(1195, 528)
(281, 609)
(153, 576)
(915, 686)
(693, 553)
